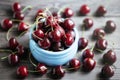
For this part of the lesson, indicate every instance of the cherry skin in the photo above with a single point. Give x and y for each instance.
(13, 43)
(88, 23)
(88, 64)
(101, 11)
(84, 9)
(98, 33)
(57, 46)
(18, 15)
(68, 13)
(13, 59)
(16, 7)
(82, 43)
(109, 57)
(69, 24)
(20, 51)
(22, 71)
(74, 64)
(23, 27)
(41, 68)
(57, 72)
(38, 34)
(6, 24)
(39, 12)
(88, 54)
(101, 44)
(44, 43)
(107, 71)
(110, 26)
(71, 32)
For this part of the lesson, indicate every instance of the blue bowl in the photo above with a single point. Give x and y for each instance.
(53, 58)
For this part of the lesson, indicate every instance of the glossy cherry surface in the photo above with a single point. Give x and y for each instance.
(98, 33)
(82, 43)
(69, 24)
(101, 11)
(13, 59)
(13, 43)
(84, 9)
(16, 7)
(88, 23)
(41, 68)
(20, 50)
(68, 13)
(22, 71)
(23, 27)
(18, 15)
(88, 54)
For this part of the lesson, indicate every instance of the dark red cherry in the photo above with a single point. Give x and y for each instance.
(101, 11)
(88, 64)
(57, 46)
(68, 13)
(38, 34)
(71, 32)
(22, 71)
(18, 15)
(84, 9)
(69, 24)
(109, 57)
(98, 33)
(88, 23)
(41, 68)
(82, 43)
(13, 59)
(20, 50)
(74, 64)
(39, 12)
(107, 71)
(56, 15)
(16, 7)
(13, 43)
(101, 44)
(57, 72)
(6, 24)
(88, 54)
(44, 43)
(110, 26)
(23, 27)
(50, 21)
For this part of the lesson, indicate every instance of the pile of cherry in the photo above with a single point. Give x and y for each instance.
(57, 29)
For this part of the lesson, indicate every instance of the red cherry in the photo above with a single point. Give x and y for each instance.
(98, 33)
(109, 57)
(84, 9)
(71, 32)
(6, 24)
(88, 54)
(13, 43)
(69, 24)
(68, 13)
(101, 11)
(101, 44)
(50, 21)
(18, 15)
(56, 15)
(88, 23)
(39, 12)
(22, 71)
(82, 43)
(22, 27)
(57, 46)
(41, 68)
(88, 64)
(13, 59)
(16, 7)
(74, 64)
(20, 50)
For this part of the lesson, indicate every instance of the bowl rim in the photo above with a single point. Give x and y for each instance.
(36, 47)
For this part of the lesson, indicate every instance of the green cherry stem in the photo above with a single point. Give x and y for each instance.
(31, 60)
(27, 7)
(5, 50)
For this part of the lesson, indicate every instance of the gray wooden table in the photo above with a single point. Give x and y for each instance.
(113, 13)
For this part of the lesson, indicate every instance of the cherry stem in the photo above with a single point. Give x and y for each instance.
(32, 71)
(4, 57)
(67, 69)
(83, 28)
(16, 20)
(92, 47)
(27, 7)
(36, 36)
(61, 9)
(7, 35)
(99, 50)
(5, 50)
(21, 34)
(31, 60)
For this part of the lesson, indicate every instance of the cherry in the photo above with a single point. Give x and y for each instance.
(82, 43)
(88, 54)
(107, 71)
(6, 24)
(69, 24)
(22, 27)
(20, 50)
(71, 32)
(74, 64)
(84, 9)
(56, 15)
(88, 23)
(57, 46)
(50, 21)
(101, 44)
(98, 33)
(13, 59)
(110, 26)
(22, 71)
(109, 57)
(57, 72)
(19, 15)
(44, 43)
(39, 12)
(16, 7)
(38, 34)
(41, 68)
(13, 43)
(101, 11)
(68, 13)
(88, 64)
